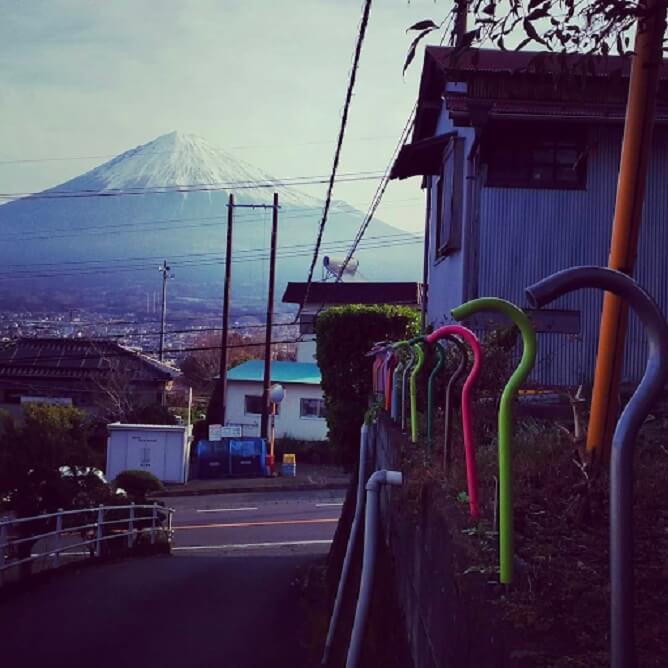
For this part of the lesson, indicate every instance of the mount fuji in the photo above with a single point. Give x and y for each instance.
(96, 241)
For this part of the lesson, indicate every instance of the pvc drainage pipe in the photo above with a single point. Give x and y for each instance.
(413, 390)
(350, 547)
(632, 417)
(447, 449)
(373, 486)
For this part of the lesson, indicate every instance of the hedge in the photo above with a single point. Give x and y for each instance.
(344, 334)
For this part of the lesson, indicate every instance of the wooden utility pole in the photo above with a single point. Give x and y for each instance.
(226, 310)
(459, 30)
(164, 269)
(638, 129)
(270, 317)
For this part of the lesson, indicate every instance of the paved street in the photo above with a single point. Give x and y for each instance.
(224, 599)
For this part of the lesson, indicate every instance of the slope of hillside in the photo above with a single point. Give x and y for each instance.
(97, 239)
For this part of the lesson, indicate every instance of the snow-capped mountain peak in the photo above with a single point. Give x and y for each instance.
(183, 160)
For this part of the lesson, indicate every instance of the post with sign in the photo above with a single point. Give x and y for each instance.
(276, 395)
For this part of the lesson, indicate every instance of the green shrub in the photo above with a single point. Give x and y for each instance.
(138, 484)
(344, 334)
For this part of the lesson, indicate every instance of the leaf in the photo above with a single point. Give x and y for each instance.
(423, 25)
(532, 32)
(412, 48)
(489, 9)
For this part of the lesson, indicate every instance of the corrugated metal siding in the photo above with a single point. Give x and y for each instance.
(528, 234)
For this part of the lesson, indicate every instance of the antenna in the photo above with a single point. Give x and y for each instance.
(332, 267)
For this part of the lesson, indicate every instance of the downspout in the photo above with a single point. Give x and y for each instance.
(623, 441)
(425, 261)
(350, 547)
(373, 486)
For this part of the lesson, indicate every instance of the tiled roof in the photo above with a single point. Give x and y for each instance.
(45, 358)
(306, 373)
(354, 293)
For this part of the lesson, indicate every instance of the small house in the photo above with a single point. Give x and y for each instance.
(301, 415)
(100, 377)
(519, 157)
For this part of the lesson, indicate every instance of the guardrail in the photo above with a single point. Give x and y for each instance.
(90, 528)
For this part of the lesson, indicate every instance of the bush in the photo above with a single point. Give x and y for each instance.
(138, 484)
(344, 334)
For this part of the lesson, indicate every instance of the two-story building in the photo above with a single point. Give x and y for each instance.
(519, 154)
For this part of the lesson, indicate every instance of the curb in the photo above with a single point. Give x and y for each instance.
(304, 487)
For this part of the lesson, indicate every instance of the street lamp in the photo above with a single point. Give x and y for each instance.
(276, 395)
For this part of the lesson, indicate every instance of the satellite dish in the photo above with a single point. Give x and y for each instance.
(333, 265)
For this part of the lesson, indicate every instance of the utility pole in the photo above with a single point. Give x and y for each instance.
(226, 309)
(164, 269)
(264, 422)
(459, 30)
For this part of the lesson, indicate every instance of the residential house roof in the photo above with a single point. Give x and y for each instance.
(354, 293)
(76, 359)
(306, 373)
(488, 84)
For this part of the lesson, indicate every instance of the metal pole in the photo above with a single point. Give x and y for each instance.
(425, 264)
(3, 543)
(59, 528)
(636, 145)
(226, 309)
(98, 531)
(165, 275)
(270, 315)
(131, 526)
(623, 442)
(154, 515)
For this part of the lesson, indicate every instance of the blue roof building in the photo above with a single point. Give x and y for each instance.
(284, 373)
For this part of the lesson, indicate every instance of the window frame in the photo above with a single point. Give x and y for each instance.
(450, 199)
(321, 412)
(528, 142)
(259, 399)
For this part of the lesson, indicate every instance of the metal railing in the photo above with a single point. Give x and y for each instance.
(62, 533)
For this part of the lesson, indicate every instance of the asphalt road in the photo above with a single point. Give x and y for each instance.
(225, 597)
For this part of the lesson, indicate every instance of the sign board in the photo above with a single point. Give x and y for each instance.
(231, 431)
(289, 458)
(215, 432)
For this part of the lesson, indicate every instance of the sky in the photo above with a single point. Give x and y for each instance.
(262, 79)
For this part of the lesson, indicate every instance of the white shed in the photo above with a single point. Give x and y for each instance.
(163, 450)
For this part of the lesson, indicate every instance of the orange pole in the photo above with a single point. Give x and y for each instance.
(638, 128)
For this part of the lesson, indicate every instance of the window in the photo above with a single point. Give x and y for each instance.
(253, 405)
(536, 157)
(449, 198)
(312, 408)
(307, 323)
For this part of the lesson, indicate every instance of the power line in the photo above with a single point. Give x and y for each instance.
(200, 260)
(380, 191)
(337, 153)
(188, 188)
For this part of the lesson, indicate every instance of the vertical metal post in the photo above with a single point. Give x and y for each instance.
(270, 317)
(98, 531)
(131, 526)
(154, 514)
(636, 146)
(3, 544)
(163, 318)
(226, 309)
(59, 528)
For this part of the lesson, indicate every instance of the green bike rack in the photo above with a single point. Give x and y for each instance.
(430, 394)
(419, 353)
(505, 429)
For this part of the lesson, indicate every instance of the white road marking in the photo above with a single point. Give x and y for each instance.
(248, 546)
(224, 510)
(338, 504)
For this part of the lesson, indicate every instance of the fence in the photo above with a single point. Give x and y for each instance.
(66, 532)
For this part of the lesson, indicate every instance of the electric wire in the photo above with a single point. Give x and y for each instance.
(339, 144)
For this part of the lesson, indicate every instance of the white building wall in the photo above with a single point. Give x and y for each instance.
(288, 421)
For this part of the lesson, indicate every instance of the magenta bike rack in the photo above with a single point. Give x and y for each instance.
(467, 419)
